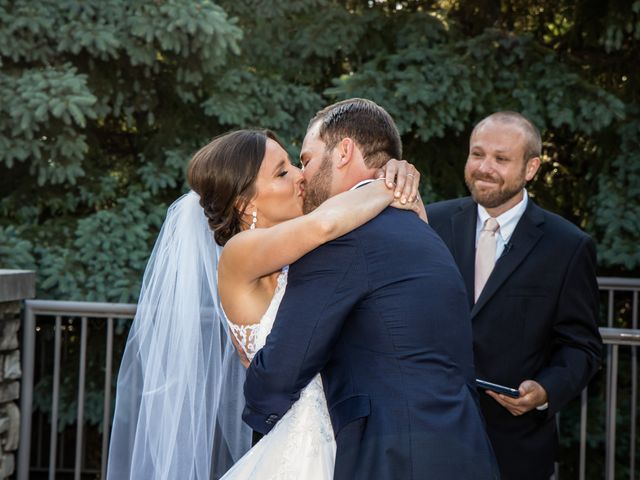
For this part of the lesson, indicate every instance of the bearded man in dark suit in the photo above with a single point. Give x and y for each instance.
(531, 285)
(380, 313)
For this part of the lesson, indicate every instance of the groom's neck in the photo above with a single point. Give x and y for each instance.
(354, 177)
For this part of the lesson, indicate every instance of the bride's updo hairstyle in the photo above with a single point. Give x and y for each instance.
(224, 174)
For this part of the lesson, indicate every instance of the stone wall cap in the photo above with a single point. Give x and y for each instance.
(17, 285)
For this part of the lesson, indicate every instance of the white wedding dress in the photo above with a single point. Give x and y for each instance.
(301, 445)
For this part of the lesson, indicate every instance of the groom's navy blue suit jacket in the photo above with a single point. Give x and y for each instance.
(382, 313)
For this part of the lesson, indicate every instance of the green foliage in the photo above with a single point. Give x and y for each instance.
(14, 250)
(616, 205)
(99, 113)
(103, 103)
(113, 241)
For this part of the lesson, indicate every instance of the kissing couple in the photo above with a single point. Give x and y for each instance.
(351, 318)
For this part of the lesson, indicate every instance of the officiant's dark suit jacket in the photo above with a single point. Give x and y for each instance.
(382, 313)
(535, 319)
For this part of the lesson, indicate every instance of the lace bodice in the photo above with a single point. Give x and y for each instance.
(301, 445)
(253, 337)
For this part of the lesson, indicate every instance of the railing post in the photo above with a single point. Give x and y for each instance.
(26, 400)
(583, 435)
(612, 395)
(15, 286)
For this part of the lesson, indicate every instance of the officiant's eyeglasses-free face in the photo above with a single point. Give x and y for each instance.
(496, 169)
(279, 187)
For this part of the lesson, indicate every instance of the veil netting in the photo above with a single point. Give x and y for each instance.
(179, 392)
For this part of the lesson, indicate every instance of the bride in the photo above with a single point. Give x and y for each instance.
(179, 400)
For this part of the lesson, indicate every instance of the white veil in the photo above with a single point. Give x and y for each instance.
(179, 392)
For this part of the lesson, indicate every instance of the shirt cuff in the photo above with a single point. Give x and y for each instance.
(544, 406)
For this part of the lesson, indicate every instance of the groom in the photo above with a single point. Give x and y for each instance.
(382, 314)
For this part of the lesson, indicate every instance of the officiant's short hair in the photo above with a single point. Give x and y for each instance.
(367, 123)
(532, 141)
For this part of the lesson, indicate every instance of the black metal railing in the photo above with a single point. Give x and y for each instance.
(74, 325)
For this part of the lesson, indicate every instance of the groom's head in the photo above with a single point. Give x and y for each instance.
(345, 144)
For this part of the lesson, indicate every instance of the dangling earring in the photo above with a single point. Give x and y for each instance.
(254, 221)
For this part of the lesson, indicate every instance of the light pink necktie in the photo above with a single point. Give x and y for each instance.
(485, 254)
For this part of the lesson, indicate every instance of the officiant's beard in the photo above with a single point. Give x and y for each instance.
(503, 189)
(318, 188)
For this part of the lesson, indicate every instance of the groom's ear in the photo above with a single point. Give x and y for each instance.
(345, 150)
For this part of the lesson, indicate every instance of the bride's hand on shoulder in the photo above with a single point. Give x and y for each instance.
(403, 177)
(416, 206)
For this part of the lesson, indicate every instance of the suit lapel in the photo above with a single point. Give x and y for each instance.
(464, 242)
(524, 238)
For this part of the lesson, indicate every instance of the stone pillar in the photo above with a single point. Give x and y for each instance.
(15, 286)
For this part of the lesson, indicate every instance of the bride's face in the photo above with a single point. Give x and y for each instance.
(279, 188)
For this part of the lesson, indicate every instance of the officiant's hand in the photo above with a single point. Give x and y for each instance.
(403, 177)
(532, 395)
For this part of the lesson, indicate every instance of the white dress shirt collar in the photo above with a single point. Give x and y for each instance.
(508, 220)
(363, 182)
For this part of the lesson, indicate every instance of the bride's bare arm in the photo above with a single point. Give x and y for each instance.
(256, 253)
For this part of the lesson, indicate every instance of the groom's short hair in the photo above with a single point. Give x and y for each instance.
(364, 121)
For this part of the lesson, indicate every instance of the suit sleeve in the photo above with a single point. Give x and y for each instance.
(322, 288)
(577, 344)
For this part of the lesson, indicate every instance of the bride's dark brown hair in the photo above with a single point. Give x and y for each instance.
(224, 174)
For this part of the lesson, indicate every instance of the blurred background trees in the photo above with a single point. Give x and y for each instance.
(102, 103)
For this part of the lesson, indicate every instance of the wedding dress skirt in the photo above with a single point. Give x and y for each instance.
(301, 445)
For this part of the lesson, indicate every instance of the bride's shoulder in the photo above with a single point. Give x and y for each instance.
(237, 247)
